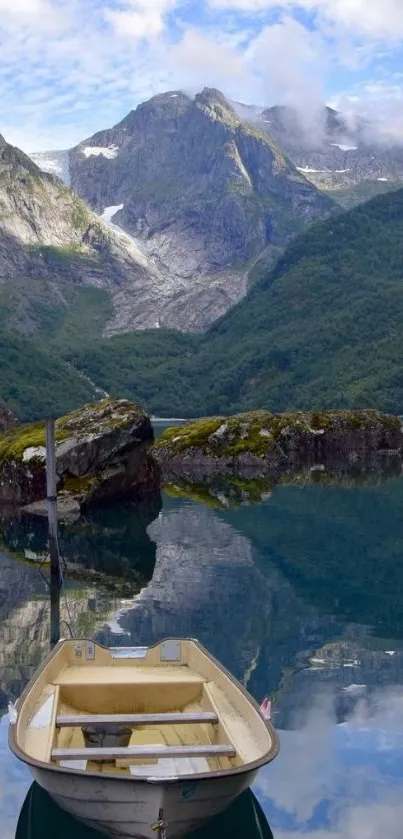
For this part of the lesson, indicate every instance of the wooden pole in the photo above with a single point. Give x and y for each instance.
(55, 572)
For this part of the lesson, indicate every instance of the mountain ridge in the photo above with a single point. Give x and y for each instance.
(335, 152)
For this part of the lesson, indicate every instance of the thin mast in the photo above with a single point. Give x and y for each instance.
(55, 571)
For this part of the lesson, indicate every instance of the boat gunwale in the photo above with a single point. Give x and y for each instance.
(247, 768)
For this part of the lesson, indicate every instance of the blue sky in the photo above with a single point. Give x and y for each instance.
(72, 67)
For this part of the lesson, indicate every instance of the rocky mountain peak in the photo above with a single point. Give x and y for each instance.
(201, 191)
(13, 159)
(216, 105)
(160, 108)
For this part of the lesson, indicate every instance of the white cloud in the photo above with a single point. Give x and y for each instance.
(37, 15)
(350, 767)
(72, 67)
(298, 81)
(291, 60)
(138, 19)
(24, 8)
(380, 100)
(370, 18)
(204, 61)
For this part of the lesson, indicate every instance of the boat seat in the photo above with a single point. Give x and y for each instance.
(159, 752)
(107, 720)
(107, 675)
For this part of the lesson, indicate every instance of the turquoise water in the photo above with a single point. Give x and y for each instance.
(300, 596)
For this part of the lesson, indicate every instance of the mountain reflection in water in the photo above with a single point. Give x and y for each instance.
(109, 557)
(299, 595)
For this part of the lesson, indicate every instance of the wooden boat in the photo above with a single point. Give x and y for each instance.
(140, 742)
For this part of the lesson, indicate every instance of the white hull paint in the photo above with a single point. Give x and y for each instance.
(128, 810)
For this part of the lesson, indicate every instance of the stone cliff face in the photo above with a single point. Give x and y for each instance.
(202, 191)
(101, 454)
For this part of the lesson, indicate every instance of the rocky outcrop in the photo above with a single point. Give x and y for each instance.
(102, 453)
(259, 442)
(202, 191)
(7, 418)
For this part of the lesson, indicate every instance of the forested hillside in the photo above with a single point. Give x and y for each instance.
(323, 329)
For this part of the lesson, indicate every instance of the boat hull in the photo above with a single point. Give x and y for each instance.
(131, 809)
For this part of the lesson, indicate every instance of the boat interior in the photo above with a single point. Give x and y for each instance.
(164, 711)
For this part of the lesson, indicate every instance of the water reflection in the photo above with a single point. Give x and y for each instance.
(15, 780)
(340, 781)
(207, 584)
(109, 557)
(25, 620)
(300, 595)
(247, 486)
(41, 818)
(112, 541)
(340, 548)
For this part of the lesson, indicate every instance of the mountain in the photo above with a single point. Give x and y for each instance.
(323, 329)
(335, 153)
(53, 251)
(63, 276)
(201, 192)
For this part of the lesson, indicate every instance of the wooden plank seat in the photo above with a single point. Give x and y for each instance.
(104, 675)
(107, 720)
(146, 752)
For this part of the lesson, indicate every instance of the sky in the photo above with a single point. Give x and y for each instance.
(69, 68)
(338, 781)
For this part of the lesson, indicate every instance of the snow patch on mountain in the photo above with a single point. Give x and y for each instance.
(108, 214)
(110, 152)
(344, 147)
(307, 170)
(54, 162)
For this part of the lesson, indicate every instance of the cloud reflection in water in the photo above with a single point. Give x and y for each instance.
(340, 781)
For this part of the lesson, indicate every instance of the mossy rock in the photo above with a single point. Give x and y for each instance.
(101, 453)
(99, 417)
(263, 434)
(18, 440)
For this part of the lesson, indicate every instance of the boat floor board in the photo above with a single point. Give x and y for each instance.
(144, 751)
(106, 720)
(106, 675)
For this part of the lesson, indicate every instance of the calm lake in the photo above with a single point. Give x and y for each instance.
(300, 595)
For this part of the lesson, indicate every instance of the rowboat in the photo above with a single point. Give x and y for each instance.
(140, 742)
